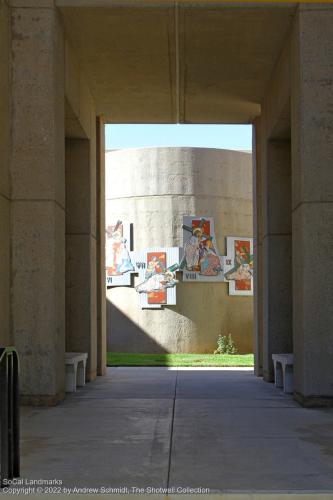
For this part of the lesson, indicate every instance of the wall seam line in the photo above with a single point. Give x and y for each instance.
(5, 197)
(314, 202)
(184, 195)
(34, 200)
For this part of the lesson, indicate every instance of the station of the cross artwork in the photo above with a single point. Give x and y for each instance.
(199, 260)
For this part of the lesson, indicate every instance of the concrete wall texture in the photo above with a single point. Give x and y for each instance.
(153, 188)
(5, 43)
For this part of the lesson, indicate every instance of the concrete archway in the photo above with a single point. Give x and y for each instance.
(70, 61)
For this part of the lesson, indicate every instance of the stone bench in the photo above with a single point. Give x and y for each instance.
(75, 370)
(283, 371)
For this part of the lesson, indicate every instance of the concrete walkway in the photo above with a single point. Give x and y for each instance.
(222, 429)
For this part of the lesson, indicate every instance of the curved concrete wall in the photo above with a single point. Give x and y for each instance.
(154, 188)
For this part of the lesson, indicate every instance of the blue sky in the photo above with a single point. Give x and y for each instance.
(208, 136)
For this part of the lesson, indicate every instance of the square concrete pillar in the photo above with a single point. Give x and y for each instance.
(257, 247)
(5, 126)
(37, 202)
(81, 251)
(312, 204)
(100, 261)
(5, 338)
(277, 279)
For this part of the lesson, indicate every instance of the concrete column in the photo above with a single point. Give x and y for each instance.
(5, 125)
(100, 261)
(257, 247)
(312, 204)
(38, 200)
(277, 279)
(81, 288)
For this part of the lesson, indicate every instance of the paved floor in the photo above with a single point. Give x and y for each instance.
(220, 429)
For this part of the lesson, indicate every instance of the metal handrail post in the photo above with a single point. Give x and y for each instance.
(9, 414)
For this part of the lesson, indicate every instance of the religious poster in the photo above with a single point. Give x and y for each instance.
(238, 265)
(157, 276)
(201, 260)
(117, 255)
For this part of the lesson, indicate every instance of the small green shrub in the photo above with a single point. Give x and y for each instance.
(225, 345)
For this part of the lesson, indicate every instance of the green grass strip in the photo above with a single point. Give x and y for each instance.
(129, 359)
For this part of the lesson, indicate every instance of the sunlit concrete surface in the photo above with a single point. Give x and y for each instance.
(220, 429)
(153, 188)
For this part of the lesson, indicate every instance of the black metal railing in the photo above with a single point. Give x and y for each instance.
(9, 414)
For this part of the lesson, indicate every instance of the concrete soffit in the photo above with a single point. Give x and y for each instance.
(79, 103)
(276, 102)
(185, 62)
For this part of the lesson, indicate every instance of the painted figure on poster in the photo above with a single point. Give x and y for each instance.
(155, 265)
(192, 250)
(159, 281)
(118, 260)
(243, 264)
(200, 254)
(239, 265)
(210, 264)
(157, 276)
